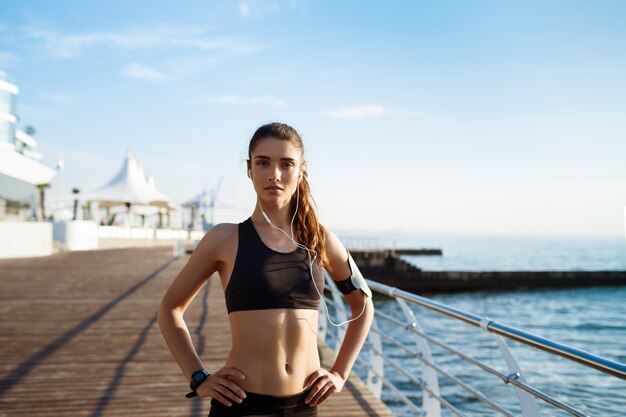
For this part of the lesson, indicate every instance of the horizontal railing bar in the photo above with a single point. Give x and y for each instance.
(403, 397)
(569, 352)
(605, 365)
(503, 377)
(389, 385)
(479, 395)
(393, 388)
(442, 400)
(535, 392)
(446, 347)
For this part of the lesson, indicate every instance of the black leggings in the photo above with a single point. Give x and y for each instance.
(256, 404)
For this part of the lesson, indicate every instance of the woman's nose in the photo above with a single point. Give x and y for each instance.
(275, 174)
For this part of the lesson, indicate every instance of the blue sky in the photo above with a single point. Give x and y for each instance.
(459, 116)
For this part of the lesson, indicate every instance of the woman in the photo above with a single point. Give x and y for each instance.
(270, 267)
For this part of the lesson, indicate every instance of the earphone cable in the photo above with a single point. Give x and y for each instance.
(301, 246)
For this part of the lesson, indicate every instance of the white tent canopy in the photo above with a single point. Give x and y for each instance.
(130, 185)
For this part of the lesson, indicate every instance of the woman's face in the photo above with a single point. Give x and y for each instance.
(275, 168)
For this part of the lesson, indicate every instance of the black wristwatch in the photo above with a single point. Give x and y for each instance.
(197, 378)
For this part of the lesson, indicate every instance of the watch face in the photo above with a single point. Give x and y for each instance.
(198, 375)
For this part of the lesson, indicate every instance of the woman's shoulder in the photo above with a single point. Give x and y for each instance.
(337, 255)
(218, 234)
(223, 230)
(332, 242)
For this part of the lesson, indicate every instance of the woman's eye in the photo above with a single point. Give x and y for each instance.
(266, 163)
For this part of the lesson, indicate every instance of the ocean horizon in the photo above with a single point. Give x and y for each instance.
(467, 252)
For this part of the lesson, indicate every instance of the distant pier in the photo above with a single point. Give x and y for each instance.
(386, 266)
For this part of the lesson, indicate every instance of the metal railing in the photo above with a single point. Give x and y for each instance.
(432, 401)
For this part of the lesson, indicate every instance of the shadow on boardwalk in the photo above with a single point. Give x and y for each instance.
(78, 338)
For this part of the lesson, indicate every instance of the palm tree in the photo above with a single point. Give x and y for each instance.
(75, 191)
(42, 199)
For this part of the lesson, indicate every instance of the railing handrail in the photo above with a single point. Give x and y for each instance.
(569, 352)
(509, 379)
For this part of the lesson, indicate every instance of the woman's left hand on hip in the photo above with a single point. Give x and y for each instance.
(324, 385)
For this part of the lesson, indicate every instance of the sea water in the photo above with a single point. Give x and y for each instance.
(592, 319)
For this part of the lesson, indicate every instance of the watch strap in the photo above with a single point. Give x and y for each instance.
(197, 378)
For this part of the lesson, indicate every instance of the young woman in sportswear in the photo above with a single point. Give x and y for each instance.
(272, 286)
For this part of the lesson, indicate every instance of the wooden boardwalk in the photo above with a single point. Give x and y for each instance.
(79, 337)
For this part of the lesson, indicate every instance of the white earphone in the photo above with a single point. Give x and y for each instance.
(309, 253)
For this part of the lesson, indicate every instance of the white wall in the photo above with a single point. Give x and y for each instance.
(77, 234)
(25, 239)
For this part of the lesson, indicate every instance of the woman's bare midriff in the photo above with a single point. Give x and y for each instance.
(275, 348)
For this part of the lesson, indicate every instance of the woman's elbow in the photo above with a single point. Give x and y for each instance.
(166, 310)
(369, 308)
(364, 308)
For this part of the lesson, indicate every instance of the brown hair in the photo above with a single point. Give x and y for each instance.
(307, 228)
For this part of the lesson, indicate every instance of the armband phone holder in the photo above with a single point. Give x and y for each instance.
(355, 281)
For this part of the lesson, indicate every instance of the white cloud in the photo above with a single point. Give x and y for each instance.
(356, 112)
(244, 9)
(228, 54)
(374, 110)
(424, 119)
(179, 51)
(143, 73)
(257, 8)
(239, 101)
(409, 113)
(66, 46)
(58, 97)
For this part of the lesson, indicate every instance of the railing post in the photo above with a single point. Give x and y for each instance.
(340, 310)
(430, 403)
(376, 362)
(527, 401)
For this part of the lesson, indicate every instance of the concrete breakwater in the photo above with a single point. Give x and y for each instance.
(385, 266)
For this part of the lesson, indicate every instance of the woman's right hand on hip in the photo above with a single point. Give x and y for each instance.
(223, 389)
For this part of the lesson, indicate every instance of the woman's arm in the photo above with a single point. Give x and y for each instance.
(324, 383)
(201, 265)
(357, 330)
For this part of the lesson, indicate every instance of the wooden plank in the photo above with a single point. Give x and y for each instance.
(79, 337)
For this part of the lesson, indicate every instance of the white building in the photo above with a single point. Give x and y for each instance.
(20, 175)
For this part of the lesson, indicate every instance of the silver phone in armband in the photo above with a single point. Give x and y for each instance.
(355, 281)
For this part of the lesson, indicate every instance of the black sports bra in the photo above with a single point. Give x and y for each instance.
(263, 278)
